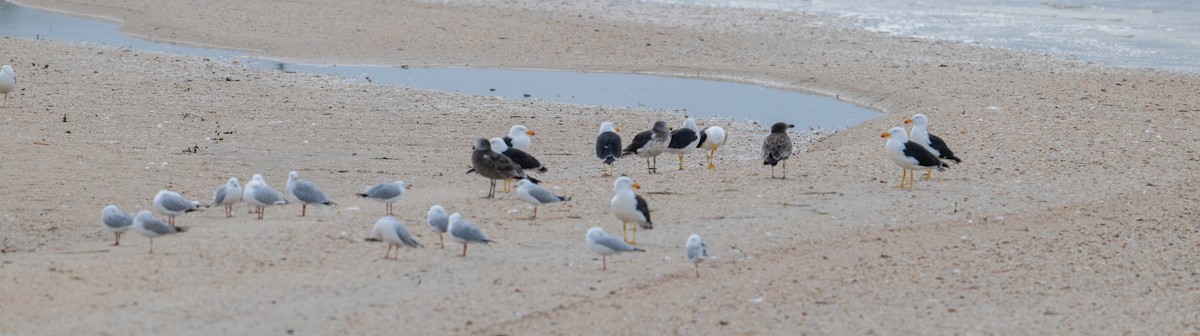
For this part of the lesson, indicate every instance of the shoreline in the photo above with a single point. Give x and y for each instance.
(1071, 213)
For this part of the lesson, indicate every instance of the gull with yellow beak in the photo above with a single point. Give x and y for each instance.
(629, 207)
(710, 139)
(909, 155)
(518, 137)
(932, 143)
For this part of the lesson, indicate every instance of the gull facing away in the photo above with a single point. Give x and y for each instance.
(777, 147)
(306, 192)
(261, 195)
(465, 232)
(387, 192)
(684, 140)
(650, 144)
(909, 155)
(227, 195)
(605, 245)
(494, 166)
(696, 251)
(932, 143)
(518, 137)
(710, 139)
(8, 82)
(150, 227)
(608, 145)
(116, 221)
(439, 221)
(172, 204)
(534, 194)
(392, 231)
(630, 207)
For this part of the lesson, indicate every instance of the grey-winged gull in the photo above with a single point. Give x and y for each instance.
(392, 231)
(147, 225)
(261, 195)
(439, 221)
(8, 82)
(465, 232)
(227, 195)
(306, 192)
(116, 221)
(534, 194)
(173, 204)
(387, 192)
(696, 251)
(605, 245)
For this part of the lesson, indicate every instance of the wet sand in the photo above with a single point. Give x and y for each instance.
(1073, 211)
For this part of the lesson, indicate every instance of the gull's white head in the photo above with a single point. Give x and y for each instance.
(607, 126)
(896, 133)
(7, 70)
(498, 145)
(625, 183)
(518, 130)
(233, 182)
(455, 218)
(595, 233)
(690, 123)
(293, 176)
(694, 239)
(256, 178)
(437, 209)
(919, 120)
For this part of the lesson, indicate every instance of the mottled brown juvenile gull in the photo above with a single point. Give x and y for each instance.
(520, 157)
(650, 144)
(777, 147)
(494, 166)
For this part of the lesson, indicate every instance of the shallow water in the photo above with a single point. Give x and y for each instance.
(699, 98)
(1163, 34)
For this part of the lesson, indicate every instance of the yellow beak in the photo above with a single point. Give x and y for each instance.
(907, 121)
(636, 186)
(886, 134)
(530, 132)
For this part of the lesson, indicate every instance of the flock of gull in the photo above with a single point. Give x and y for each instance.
(507, 159)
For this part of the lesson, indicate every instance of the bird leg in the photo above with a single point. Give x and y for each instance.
(784, 169)
(772, 171)
(389, 208)
(634, 235)
(655, 169)
(389, 251)
(697, 270)
(928, 174)
(464, 250)
(492, 190)
(649, 170)
(624, 229)
(534, 212)
(151, 245)
(440, 241)
(680, 161)
(303, 209)
(903, 176)
(118, 242)
(604, 263)
(710, 157)
(911, 176)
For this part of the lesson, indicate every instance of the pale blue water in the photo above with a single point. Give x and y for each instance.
(699, 98)
(1163, 34)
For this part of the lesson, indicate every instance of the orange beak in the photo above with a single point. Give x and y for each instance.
(907, 121)
(886, 134)
(530, 132)
(618, 129)
(636, 186)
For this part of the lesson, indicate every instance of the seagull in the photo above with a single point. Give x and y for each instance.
(518, 137)
(710, 139)
(392, 231)
(696, 251)
(261, 195)
(150, 227)
(909, 155)
(605, 245)
(116, 221)
(438, 221)
(520, 157)
(650, 144)
(535, 194)
(777, 147)
(227, 195)
(684, 140)
(8, 82)
(629, 207)
(306, 192)
(466, 233)
(494, 166)
(387, 192)
(608, 145)
(172, 204)
(932, 143)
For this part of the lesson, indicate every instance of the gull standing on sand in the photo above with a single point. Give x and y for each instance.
(909, 155)
(535, 194)
(150, 227)
(227, 195)
(630, 207)
(605, 245)
(520, 157)
(494, 166)
(439, 221)
(8, 82)
(392, 231)
(518, 137)
(932, 143)
(696, 251)
(261, 195)
(650, 144)
(608, 145)
(387, 192)
(710, 139)
(306, 192)
(684, 140)
(172, 204)
(465, 232)
(777, 147)
(116, 221)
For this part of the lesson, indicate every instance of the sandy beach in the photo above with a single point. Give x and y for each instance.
(1072, 213)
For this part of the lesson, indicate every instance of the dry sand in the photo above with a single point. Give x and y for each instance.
(1074, 212)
